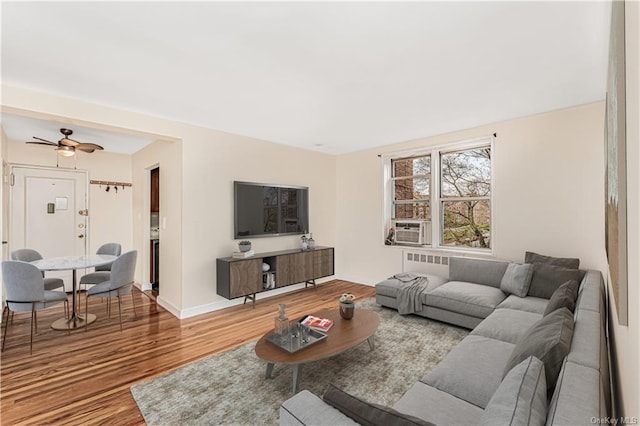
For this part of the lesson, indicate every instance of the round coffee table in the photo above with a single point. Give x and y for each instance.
(345, 334)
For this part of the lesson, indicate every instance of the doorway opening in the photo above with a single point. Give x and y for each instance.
(154, 234)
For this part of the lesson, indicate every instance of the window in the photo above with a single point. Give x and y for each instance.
(449, 188)
(411, 187)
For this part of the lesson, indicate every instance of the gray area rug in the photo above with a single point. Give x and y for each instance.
(230, 388)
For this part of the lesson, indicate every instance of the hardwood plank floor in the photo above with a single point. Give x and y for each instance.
(84, 378)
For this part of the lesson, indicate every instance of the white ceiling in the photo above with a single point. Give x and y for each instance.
(334, 77)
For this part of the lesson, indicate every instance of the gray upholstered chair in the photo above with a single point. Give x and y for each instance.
(24, 289)
(102, 272)
(120, 283)
(29, 255)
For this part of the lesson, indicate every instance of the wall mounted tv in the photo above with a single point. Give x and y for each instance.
(265, 210)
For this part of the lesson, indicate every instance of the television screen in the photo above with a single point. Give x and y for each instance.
(263, 210)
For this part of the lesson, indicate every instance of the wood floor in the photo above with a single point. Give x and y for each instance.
(84, 378)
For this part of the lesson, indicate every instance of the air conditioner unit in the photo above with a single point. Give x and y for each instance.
(415, 232)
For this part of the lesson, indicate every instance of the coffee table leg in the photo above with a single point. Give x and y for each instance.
(372, 343)
(297, 370)
(269, 369)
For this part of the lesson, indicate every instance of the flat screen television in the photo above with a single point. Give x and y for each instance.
(266, 210)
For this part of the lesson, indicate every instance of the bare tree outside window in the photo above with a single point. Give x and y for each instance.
(465, 194)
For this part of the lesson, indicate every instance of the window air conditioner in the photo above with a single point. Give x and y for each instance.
(416, 232)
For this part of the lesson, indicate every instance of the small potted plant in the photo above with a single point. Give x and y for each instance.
(347, 307)
(244, 245)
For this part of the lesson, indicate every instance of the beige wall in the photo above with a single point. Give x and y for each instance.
(548, 193)
(213, 160)
(627, 338)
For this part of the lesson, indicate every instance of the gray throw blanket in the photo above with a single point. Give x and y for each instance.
(408, 297)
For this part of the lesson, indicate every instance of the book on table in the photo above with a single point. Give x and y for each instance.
(317, 323)
(242, 254)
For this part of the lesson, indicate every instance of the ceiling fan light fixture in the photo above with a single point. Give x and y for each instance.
(66, 151)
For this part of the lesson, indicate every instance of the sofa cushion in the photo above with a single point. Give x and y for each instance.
(566, 262)
(578, 398)
(547, 278)
(390, 287)
(521, 398)
(528, 304)
(564, 297)
(507, 325)
(516, 279)
(549, 340)
(468, 298)
(472, 370)
(487, 272)
(436, 406)
(366, 413)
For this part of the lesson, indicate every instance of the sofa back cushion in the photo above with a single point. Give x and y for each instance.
(366, 413)
(516, 279)
(564, 297)
(549, 340)
(547, 278)
(565, 262)
(521, 398)
(487, 272)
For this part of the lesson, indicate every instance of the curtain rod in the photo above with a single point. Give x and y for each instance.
(106, 182)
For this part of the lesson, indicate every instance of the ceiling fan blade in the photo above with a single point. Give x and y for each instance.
(69, 142)
(43, 140)
(88, 147)
(42, 143)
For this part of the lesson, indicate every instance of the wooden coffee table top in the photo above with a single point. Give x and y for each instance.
(344, 334)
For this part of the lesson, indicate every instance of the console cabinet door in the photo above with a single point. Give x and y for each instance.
(323, 263)
(245, 277)
(284, 270)
(303, 270)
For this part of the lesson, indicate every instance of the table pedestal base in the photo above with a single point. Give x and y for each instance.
(76, 321)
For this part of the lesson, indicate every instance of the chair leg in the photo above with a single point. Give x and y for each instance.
(86, 312)
(6, 324)
(35, 322)
(133, 300)
(119, 311)
(66, 309)
(33, 312)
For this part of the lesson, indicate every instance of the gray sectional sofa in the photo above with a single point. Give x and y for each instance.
(524, 362)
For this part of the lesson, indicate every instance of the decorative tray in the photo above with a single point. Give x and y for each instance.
(295, 341)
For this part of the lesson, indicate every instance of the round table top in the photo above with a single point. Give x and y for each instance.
(343, 335)
(65, 263)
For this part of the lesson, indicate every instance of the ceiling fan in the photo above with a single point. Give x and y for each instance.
(65, 146)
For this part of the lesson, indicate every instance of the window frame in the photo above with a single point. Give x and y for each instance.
(435, 200)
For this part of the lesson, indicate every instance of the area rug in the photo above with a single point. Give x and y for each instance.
(230, 388)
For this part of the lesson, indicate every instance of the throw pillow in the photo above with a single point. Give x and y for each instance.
(366, 413)
(567, 262)
(564, 297)
(516, 279)
(521, 398)
(549, 340)
(547, 278)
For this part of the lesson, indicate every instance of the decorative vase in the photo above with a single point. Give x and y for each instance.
(244, 247)
(346, 310)
(282, 324)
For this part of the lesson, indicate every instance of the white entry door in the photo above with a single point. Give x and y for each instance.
(49, 213)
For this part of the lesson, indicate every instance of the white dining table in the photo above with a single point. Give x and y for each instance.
(73, 263)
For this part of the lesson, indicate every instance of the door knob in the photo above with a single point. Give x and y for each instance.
(81, 236)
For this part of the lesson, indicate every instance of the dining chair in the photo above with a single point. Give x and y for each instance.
(120, 283)
(24, 291)
(102, 272)
(30, 255)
